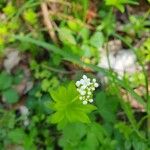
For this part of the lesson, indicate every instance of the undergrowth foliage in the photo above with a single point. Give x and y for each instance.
(68, 106)
(54, 92)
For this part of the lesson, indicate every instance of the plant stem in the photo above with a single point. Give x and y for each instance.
(57, 70)
(147, 98)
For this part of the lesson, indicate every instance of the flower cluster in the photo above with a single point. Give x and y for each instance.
(85, 87)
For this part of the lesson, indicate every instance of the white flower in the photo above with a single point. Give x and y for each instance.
(96, 85)
(93, 88)
(78, 83)
(84, 77)
(84, 102)
(85, 87)
(80, 97)
(94, 80)
(82, 82)
(91, 100)
(82, 92)
(89, 93)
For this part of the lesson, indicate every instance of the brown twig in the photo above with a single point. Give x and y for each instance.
(48, 22)
(60, 2)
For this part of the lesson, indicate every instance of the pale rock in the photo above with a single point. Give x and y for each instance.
(121, 62)
(11, 60)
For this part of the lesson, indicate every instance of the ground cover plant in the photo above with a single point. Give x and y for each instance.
(74, 75)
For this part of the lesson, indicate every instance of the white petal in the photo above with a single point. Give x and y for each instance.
(84, 77)
(82, 82)
(93, 88)
(84, 102)
(89, 93)
(88, 96)
(89, 83)
(78, 83)
(82, 92)
(83, 87)
(94, 80)
(81, 98)
(88, 79)
(91, 100)
(96, 85)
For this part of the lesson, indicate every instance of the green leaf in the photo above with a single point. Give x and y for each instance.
(95, 135)
(138, 144)
(10, 95)
(74, 26)
(7, 119)
(125, 129)
(30, 16)
(119, 4)
(86, 50)
(97, 39)
(66, 36)
(83, 137)
(17, 135)
(129, 112)
(5, 81)
(67, 106)
(71, 139)
(84, 34)
(9, 10)
(107, 106)
(45, 84)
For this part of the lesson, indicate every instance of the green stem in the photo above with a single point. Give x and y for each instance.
(57, 70)
(146, 82)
